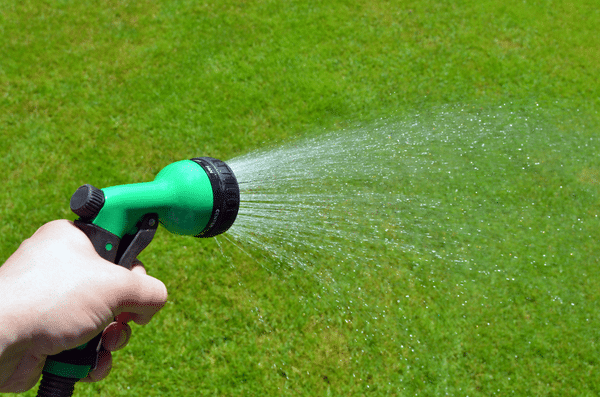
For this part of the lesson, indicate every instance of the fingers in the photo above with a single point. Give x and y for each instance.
(124, 317)
(28, 373)
(116, 336)
(138, 267)
(145, 295)
(102, 369)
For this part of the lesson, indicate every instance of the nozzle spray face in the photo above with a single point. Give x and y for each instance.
(226, 196)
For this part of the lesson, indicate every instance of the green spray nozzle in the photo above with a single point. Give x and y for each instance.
(198, 197)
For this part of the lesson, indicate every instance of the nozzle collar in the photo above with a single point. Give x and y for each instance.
(226, 195)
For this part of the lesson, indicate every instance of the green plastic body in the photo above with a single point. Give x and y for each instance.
(181, 195)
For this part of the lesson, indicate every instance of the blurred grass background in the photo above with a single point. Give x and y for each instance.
(109, 92)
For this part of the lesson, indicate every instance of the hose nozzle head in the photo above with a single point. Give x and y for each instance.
(198, 197)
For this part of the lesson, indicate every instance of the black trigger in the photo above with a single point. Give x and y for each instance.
(141, 239)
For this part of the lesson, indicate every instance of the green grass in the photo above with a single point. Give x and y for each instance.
(110, 92)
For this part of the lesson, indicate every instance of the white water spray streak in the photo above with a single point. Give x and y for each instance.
(405, 239)
(351, 195)
(390, 193)
(326, 196)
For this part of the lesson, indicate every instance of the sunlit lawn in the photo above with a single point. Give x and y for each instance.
(110, 92)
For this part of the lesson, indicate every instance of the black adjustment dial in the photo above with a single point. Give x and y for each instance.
(87, 201)
(226, 195)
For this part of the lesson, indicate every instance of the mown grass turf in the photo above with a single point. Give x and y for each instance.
(109, 92)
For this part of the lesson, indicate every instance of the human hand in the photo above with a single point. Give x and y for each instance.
(57, 293)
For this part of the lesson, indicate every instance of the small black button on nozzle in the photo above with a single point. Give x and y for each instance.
(87, 201)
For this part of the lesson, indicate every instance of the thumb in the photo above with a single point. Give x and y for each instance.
(143, 295)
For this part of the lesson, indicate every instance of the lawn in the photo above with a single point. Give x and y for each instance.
(498, 292)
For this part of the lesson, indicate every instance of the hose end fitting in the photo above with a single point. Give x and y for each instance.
(56, 386)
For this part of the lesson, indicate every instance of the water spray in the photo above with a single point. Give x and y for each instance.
(198, 197)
